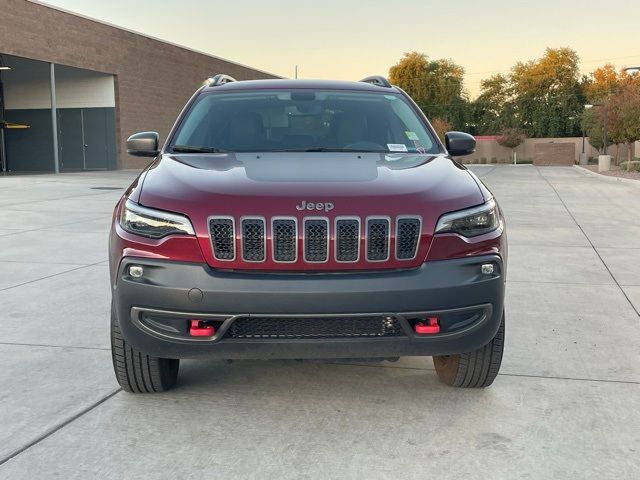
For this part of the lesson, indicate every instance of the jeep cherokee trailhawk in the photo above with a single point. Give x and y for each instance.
(305, 219)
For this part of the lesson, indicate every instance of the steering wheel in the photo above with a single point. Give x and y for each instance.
(364, 145)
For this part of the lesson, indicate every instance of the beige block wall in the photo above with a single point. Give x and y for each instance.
(492, 152)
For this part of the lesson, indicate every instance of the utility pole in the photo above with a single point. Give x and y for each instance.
(296, 72)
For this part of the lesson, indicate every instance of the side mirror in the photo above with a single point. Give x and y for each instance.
(459, 144)
(143, 144)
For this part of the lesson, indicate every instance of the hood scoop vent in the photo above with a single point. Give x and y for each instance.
(310, 167)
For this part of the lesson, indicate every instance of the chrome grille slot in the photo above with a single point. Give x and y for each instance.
(322, 240)
(285, 239)
(253, 239)
(347, 239)
(378, 232)
(221, 230)
(407, 237)
(316, 240)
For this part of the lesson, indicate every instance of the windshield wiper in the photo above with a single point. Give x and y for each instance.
(191, 149)
(327, 149)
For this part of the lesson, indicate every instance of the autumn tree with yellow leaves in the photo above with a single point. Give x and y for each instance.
(615, 96)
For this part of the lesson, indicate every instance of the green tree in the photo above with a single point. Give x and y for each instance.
(547, 94)
(593, 126)
(492, 111)
(435, 85)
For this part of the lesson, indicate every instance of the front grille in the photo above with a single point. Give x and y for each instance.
(407, 236)
(314, 327)
(277, 239)
(377, 239)
(253, 240)
(347, 239)
(316, 240)
(285, 239)
(222, 238)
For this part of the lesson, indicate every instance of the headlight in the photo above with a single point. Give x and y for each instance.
(472, 221)
(152, 223)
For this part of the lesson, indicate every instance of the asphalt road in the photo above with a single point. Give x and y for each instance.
(566, 404)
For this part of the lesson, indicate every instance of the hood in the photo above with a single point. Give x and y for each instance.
(238, 183)
(276, 184)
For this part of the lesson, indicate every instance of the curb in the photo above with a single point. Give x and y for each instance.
(497, 165)
(630, 181)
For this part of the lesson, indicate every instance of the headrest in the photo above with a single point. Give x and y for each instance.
(245, 128)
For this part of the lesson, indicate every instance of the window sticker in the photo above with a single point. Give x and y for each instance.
(397, 147)
(412, 136)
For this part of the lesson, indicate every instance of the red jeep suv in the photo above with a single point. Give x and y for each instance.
(305, 219)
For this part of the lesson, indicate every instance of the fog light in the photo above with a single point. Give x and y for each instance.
(136, 271)
(487, 269)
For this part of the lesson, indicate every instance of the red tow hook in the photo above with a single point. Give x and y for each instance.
(430, 328)
(199, 329)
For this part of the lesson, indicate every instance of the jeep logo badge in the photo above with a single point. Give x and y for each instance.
(304, 205)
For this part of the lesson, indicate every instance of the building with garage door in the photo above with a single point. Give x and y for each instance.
(72, 89)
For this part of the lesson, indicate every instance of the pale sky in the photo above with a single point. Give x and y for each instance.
(348, 40)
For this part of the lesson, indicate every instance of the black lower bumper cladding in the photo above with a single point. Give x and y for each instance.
(261, 316)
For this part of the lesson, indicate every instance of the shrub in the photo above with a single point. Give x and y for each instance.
(511, 138)
(441, 126)
(633, 165)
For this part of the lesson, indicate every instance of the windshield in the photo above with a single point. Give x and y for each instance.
(302, 120)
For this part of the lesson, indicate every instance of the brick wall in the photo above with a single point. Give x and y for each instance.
(557, 154)
(153, 79)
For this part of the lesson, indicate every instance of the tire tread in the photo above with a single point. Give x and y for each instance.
(137, 372)
(477, 369)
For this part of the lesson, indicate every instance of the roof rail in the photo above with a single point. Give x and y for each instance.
(219, 79)
(378, 80)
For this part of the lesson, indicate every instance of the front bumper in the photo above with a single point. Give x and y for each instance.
(183, 291)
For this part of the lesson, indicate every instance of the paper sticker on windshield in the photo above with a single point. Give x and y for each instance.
(397, 147)
(412, 136)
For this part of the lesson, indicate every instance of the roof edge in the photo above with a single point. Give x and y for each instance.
(151, 37)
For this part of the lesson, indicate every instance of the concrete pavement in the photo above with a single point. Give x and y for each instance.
(566, 404)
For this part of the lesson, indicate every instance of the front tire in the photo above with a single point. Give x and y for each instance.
(477, 369)
(138, 372)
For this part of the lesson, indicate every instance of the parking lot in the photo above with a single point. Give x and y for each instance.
(566, 404)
